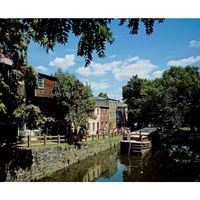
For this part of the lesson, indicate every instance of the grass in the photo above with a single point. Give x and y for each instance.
(110, 139)
(68, 146)
(47, 174)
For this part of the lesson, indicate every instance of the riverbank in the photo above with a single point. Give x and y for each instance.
(37, 162)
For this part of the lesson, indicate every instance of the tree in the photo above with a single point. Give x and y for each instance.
(93, 35)
(13, 95)
(74, 102)
(181, 88)
(16, 35)
(171, 101)
(104, 95)
(151, 102)
(27, 114)
(132, 96)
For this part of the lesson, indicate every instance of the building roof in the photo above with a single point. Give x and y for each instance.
(101, 102)
(47, 76)
(104, 102)
(103, 98)
(121, 105)
(98, 98)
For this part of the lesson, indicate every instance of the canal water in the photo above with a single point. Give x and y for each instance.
(166, 164)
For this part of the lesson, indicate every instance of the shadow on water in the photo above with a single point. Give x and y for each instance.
(167, 164)
(12, 158)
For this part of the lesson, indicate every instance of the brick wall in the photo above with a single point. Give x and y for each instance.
(104, 117)
(47, 91)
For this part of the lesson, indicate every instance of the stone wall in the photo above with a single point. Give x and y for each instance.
(46, 160)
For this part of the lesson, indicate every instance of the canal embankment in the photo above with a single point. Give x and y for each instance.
(29, 164)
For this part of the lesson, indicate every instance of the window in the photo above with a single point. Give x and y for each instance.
(93, 126)
(40, 82)
(97, 111)
(106, 124)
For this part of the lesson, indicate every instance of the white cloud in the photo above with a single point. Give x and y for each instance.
(41, 69)
(184, 62)
(121, 68)
(84, 71)
(141, 67)
(65, 62)
(157, 74)
(194, 43)
(98, 69)
(112, 56)
(98, 85)
(131, 59)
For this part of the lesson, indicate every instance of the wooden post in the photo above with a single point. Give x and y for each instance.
(92, 137)
(103, 134)
(86, 137)
(29, 140)
(58, 139)
(45, 140)
(98, 136)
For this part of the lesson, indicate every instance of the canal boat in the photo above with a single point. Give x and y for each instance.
(138, 142)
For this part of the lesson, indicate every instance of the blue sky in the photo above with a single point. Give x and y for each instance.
(174, 42)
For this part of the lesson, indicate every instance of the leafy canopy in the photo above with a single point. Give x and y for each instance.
(104, 95)
(73, 99)
(93, 34)
(172, 101)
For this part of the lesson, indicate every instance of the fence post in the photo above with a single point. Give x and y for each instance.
(86, 137)
(45, 140)
(58, 139)
(98, 136)
(29, 140)
(92, 137)
(103, 135)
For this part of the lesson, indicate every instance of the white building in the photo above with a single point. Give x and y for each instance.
(93, 123)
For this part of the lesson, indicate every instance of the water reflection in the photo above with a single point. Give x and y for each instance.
(103, 164)
(170, 163)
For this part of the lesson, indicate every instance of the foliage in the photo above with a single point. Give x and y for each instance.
(132, 96)
(2, 108)
(28, 114)
(47, 124)
(16, 35)
(172, 101)
(12, 96)
(73, 99)
(182, 91)
(104, 95)
(93, 35)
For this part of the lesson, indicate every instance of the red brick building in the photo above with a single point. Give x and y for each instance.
(104, 117)
(46, 85)
(43, 95)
